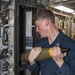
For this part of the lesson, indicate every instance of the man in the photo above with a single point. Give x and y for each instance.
(60, 63)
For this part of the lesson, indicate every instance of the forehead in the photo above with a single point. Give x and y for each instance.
(38, 22)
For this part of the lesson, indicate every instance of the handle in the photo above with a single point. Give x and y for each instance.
(65, 50)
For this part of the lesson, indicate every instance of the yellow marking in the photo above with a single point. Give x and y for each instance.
(50, 51)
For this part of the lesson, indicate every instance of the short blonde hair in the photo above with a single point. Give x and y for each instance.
(45, 13)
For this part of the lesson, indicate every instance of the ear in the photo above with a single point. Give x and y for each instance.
(46, 22)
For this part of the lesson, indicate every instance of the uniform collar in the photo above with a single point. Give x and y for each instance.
(44, 41)
(58, 39)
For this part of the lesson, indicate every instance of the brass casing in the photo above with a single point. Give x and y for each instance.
(42, 56)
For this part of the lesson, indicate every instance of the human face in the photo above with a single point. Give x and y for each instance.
(41, 27)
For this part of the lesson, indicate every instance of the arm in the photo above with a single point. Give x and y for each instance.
(67, 65)
(66, 69)
(34, 66)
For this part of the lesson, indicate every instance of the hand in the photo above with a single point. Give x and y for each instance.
(34, 54)
(58, 56)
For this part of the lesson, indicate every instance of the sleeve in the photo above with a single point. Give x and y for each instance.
(68, 67)
(66, 70)
(35, 67)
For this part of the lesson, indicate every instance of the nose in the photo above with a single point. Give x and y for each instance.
(37, 30)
